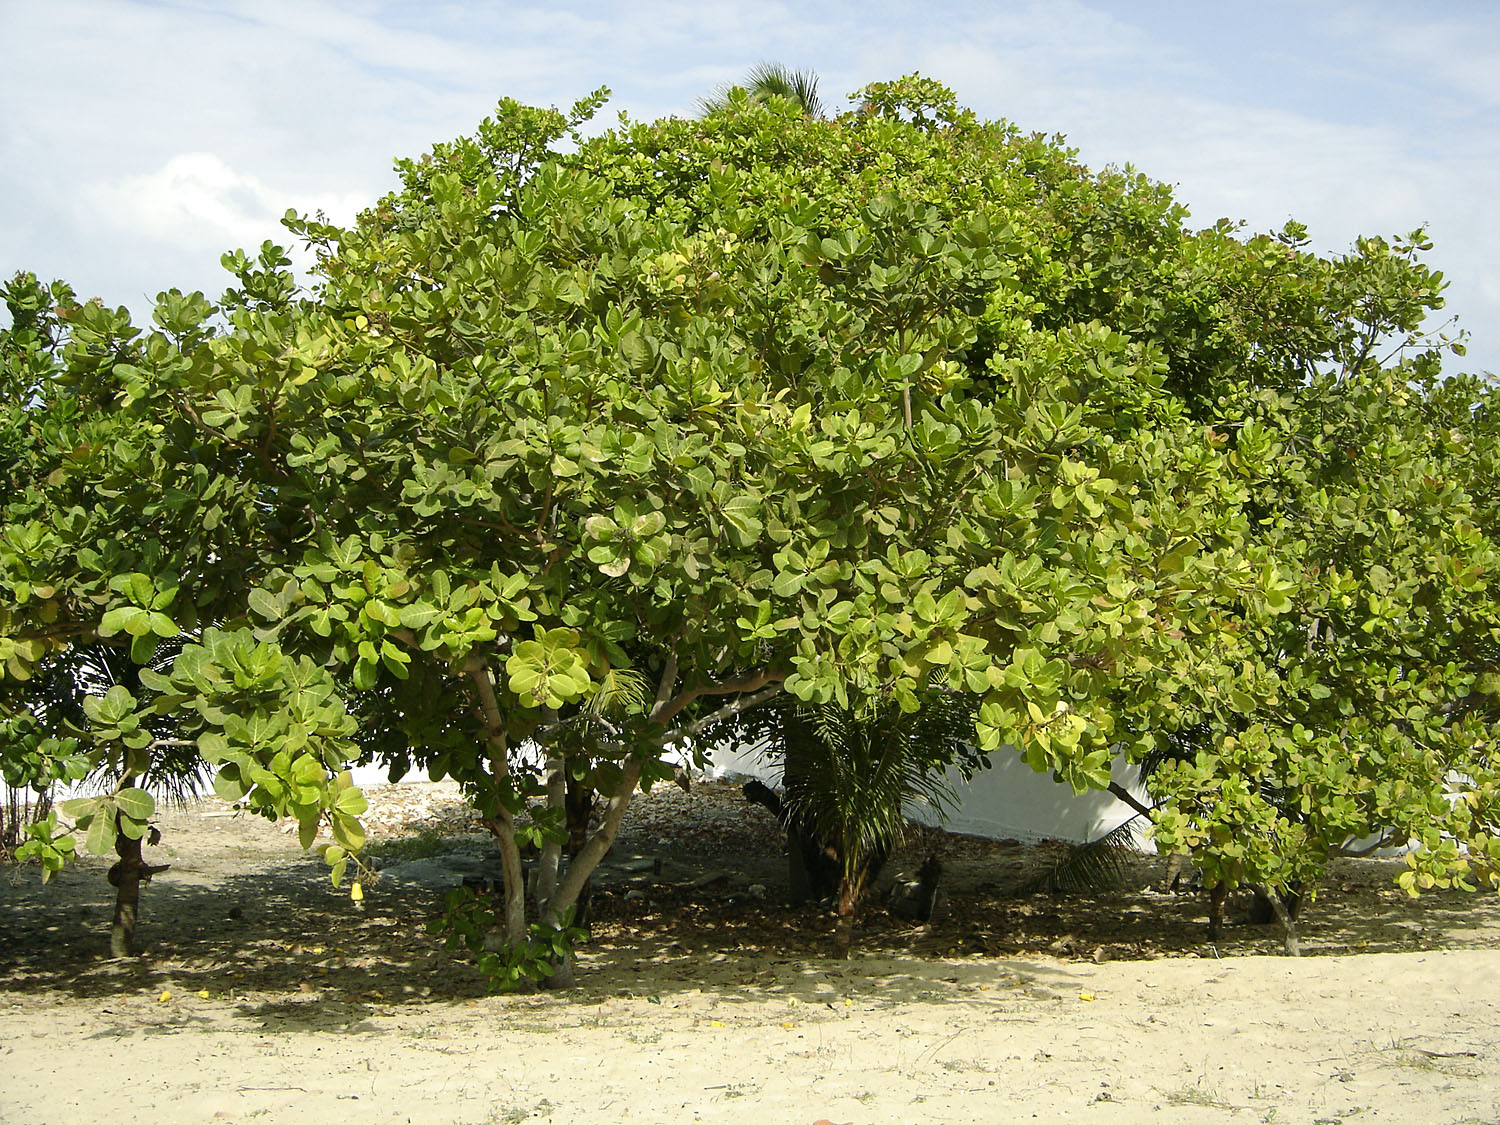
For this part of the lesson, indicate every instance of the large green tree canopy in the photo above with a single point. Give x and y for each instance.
(565, 456)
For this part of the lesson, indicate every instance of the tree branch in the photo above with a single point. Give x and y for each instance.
(1121, 793)
(750, 682)
(667, 685)
(1381, 841)
(729, 710)
(581, 866)
(497, 748)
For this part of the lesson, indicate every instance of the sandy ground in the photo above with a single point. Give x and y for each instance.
(263, 995)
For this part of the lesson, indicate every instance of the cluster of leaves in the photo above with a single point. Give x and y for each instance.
(469, 920)
(1370, 712)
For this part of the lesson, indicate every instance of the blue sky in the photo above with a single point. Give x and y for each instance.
(140, 140)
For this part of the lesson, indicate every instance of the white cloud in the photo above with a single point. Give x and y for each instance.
(196, 199)
(147, 136)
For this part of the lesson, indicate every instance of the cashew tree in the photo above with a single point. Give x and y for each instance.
(566, 458)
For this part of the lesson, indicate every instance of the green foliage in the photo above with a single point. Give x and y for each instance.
(52, 849)
(468, 921)
(855, 406)
(850, 776)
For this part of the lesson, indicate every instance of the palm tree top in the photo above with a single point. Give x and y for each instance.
(769, 79)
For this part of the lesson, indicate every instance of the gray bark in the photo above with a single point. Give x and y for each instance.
(551, 859)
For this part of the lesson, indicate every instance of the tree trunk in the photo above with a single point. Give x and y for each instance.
(583, 864)
(843, 929)
(126, 877)
(599, 843)
(562, 974)
(1288, 922)
(1262, 912)
(514, 878)
(579, 801)
(555, 779)
(1216, 896)
(503, 828)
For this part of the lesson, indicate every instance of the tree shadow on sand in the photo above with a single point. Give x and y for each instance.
(294, 954)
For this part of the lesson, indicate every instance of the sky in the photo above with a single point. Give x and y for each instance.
(141, 139)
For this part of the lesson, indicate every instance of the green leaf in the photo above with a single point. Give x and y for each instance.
(143, 648)
(265, 604)
(648, 524)
(136, 803)
(419, 615)
(101, 832)
(78, 807)
(741, 516)
(395, 660)
(127, 619)
(365, 675)
(347, 831)
(351, 801)
(229, 786)
(612, 561)
(637, 351)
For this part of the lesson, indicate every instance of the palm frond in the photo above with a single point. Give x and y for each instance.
(853, 775)
(1098, 865)
(769, 79)
(766, 80)
(175, 772)
(621, 690)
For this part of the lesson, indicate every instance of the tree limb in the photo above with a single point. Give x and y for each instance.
(1121, 793)
(581, 866)
(750, 682)
(1381, 841)
(743, 703)
(503, 829)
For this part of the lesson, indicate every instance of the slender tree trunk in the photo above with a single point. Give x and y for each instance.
(599, 843)
(504, 831)
(1288, 923)
(1216, 896)
(555, 779)
(581, 866)
(126, 876)
(843, 929)
(503, 828)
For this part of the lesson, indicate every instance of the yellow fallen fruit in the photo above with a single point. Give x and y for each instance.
(789, 1024)
(1085, 996)
(164, 997)
(203, 994)
(715, 1023)
(357, 893)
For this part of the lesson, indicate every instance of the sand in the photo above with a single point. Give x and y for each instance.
(304, 1008)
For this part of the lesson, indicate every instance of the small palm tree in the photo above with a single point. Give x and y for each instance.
(849, 777)
(767, 80)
